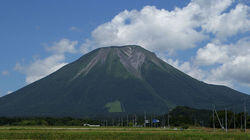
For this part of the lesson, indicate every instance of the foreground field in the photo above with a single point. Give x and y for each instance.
(117, 133)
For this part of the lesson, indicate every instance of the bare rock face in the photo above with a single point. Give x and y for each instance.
(100, 57)
(131, 57)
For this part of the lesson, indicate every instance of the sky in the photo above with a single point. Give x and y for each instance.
(208, 40)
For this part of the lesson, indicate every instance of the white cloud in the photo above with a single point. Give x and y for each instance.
(188, 68)
(152, 28)
(229, 24)
(167, 31)
(40, 68)
(225, 64)
(8, 92)
(5, 93)
(5, 72)
(63, 46)
(238, 70)
(232, 62)
(164, 32)
(212, 54)
(196, 72)
(213, 7)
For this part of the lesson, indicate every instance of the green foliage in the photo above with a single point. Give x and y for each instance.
(66, 133)
(114, 106)
(181, 116)
(185, 127)
(46, 121)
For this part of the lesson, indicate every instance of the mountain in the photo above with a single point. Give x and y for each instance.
(113, 80)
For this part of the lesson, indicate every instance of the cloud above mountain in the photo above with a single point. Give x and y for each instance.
(168, 31)
(207, 26)
(40, 68)
(217, 31)
(233, 61)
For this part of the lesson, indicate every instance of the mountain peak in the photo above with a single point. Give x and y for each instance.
(121, 79)
(128, 49)
(130, 56)
(124, 46)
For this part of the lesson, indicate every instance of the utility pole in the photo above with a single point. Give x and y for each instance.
(222, 122)
(127, 121)
(119, 121)
(122, 121)
(241, 122)
(168, 121)
(145, 118)
(163, 122)
(151, 121)
(245, 114)
(218, 119)
(234, 121)
(226, 119)
(213, 118)
(135, 120)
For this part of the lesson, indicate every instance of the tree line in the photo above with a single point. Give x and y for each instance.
(179, 116)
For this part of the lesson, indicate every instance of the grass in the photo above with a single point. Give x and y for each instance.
(114, 106)
(113, 133)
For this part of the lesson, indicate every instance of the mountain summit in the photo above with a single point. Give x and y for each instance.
(111, 80)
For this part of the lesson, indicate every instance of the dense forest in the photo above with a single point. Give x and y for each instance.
(180, 116)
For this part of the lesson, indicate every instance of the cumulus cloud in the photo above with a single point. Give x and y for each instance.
(231, 62)
(188, 68)
(236, 71)
(40, 68)
(168, 31)
(152, 28)
(229, 24)
(165, 32)
(63, 46)
(212, 54)
(225, 64)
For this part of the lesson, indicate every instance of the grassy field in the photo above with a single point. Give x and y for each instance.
(118, 133)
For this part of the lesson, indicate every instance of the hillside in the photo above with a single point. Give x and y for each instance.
(115, 80)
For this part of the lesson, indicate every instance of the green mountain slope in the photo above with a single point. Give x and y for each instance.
(113, 80)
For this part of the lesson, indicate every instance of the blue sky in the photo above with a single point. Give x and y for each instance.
(207, 40)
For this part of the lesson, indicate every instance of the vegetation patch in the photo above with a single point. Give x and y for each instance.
(111, 133)
(114, 106)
